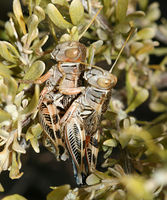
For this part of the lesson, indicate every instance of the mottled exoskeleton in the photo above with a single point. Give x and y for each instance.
(63, 85)
(80, 123)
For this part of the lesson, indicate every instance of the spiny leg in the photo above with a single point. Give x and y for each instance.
(91, 150)
(75, 140)
(49, 119)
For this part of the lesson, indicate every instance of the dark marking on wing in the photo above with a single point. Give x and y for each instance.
(58, 134)
(55, 118)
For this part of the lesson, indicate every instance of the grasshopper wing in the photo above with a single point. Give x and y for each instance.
(75, 141)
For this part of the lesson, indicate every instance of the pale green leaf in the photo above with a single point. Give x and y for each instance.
(33, 103)
(158, 107)
(14, 171)
(141, 97)
(36, 130)
(107, 55)
(32, 30)
(110, 143)
(143, 4)
(35, 144)
(17, 147)
(76, 11)
(40, 13)
(12, 87)
(58, 193)
(121, 10)
(131, 182)
(60, 2)
(9, 81)
(146, 33)
(35, 71)
(19, 15)
(6, 50)
(135, 15)
(14, 197)
(129, 87)
(92, 179)
(4, 116)
(57, 18)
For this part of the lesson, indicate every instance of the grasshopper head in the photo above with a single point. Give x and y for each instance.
(100, 79)
(69, 52)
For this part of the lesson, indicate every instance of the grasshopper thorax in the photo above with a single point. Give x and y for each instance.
(69, 52)
(100, 79)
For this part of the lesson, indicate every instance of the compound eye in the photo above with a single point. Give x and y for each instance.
(72, 53)
(105, 83)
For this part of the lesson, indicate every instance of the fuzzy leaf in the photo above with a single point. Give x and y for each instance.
(40, 43)
(6, 54)
(141, 97)
(4, 116)
(121, 10)
(158, 107)
(138, 183)
(19, 15)
(40, 13)
(143, 4)
(110, 143)
(9, 81)
(14, 171)
(35, 144)
(32, 30)
(92, 179)
(36, 130)
(76, 11)
(92, 49)
(12, 87)
(146, 33)
(130, 82)
(35, 71)
(14, 197)
(57, 18)
(17, 147)
(58, 193)
(33, 103)
(135, 15)
(60, 2)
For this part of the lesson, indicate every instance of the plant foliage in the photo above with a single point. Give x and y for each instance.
(25, 44)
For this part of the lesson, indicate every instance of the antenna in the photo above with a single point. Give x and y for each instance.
(122, 48)
(90, 23)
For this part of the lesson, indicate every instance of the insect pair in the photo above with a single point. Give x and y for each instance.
(69, 112)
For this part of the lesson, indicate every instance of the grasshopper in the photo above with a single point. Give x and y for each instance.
(60, 90)
(80, 123)
(63, 85)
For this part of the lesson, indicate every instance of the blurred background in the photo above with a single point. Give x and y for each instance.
(41, 170)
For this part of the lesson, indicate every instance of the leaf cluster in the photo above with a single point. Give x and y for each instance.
(25, 55)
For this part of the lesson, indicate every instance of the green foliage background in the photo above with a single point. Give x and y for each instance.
(140, 170)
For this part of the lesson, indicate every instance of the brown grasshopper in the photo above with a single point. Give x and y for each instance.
(80, 124)
(63, 85)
